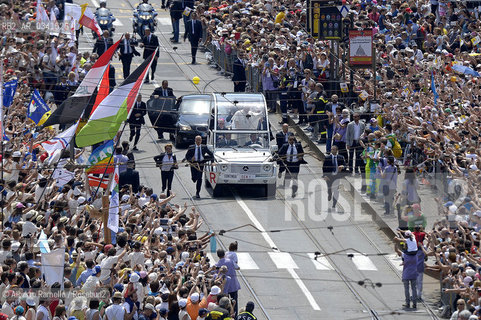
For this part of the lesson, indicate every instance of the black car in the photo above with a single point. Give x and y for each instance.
(192, 119)
(162, 112)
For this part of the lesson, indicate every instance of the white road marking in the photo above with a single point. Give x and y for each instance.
(95, 3)
(283, 260)
(165, 21)
(321, 263)
(271, 243)
(396, 261)
(117, 23)
(363, 262)
(246, 262)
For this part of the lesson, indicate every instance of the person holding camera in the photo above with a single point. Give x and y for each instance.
(167, 162)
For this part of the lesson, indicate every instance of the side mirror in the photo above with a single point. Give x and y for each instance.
(274, 148)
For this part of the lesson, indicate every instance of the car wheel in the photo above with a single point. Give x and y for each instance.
(270, 190)
(217, 191)
(177, 142)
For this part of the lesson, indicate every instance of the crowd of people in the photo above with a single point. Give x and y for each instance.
(425, 122)
(154, 267)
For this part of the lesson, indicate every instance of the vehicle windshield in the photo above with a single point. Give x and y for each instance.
(241, 140)
(194, 106)
(248, 112)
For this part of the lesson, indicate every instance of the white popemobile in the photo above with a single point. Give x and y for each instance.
(239, 137)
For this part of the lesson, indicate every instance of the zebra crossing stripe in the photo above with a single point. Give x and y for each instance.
(283, 260)
(362, 262)
(321, 263)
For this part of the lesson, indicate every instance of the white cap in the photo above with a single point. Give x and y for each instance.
(194, 297)
(81, 200)
(125, 197)
(182, 303)
(134, 277)
(215, 290)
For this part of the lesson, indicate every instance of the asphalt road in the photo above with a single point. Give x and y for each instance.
(277, 237)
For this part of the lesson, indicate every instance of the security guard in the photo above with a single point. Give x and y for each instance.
(283, 95)
(319, 118)
(247, 314)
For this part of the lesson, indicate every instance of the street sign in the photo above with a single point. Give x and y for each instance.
(360, 48)
(344, 10)
(330, 24)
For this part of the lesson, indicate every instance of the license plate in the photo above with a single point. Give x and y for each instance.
(247, 176)
(230, 176)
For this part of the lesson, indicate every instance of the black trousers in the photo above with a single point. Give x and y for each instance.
(194, 45)
(135, 131)
(355, 149)
(153, 66)
(333, 189)
(240, 86)
(292, 173)
(126, 62)
(167, 177)
(196, 171)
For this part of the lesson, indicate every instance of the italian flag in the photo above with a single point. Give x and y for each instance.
(105, 120)
(88, 19)
(72, 108)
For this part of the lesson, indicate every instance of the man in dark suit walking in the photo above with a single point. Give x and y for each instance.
(103, 43)
(281, 139)
(239, 73)
(197, 155)
(292, 154)
(150, 42)
(193, 31)
(127, 52)
(164, 90)
(332, 169)
(130, 176)
(136, 120)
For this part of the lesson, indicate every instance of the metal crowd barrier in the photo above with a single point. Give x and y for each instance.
(225, 62)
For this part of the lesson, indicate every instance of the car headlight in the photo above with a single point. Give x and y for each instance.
(185, 127)
(103, 21)
(145, 17)
(224, 167)
(267, 167)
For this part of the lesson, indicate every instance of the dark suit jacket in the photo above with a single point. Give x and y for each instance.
(193, 35)
(226, 143)
(284, 156)
(142, 109)
(158, 91)
(132, 49)
(176, 10)
(150, 46)
(250, 142)
(280, 138)
(99, 46)
(206, 153)
(239, 71)
(328, 166)
(158, 161)
(130, 176)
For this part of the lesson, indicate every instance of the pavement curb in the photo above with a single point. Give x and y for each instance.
(355, 194)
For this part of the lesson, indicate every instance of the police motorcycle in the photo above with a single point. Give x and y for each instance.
(104, 18)
(144, 17)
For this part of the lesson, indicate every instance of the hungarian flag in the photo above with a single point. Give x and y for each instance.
(105, 121)
(71, 109)
(60, 141)
(88, 19)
